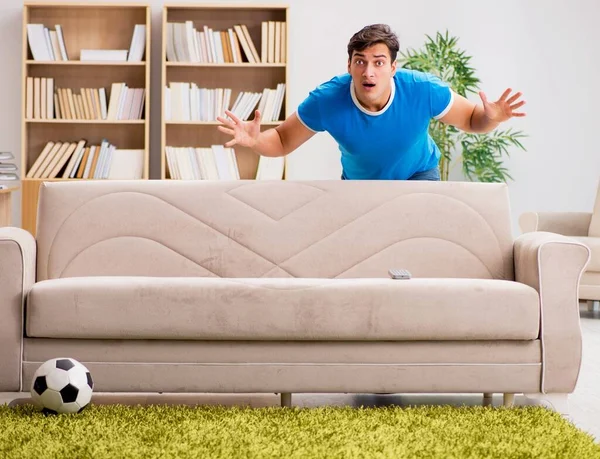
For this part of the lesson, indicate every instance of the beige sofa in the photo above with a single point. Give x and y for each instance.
(581, 226)
(283, 287)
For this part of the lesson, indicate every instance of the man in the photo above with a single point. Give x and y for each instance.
(379, 115)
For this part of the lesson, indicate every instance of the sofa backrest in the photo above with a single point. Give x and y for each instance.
(329, 229)
(595, 222)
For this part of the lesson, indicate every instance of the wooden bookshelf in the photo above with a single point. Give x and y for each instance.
(6, 195)
(85, 25)
(239, 77)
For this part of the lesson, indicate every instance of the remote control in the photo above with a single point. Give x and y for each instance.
(399, 273)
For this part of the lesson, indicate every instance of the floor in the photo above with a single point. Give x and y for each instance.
(584, 403)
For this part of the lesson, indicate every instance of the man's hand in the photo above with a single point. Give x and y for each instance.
(244, 133)
(504, 108)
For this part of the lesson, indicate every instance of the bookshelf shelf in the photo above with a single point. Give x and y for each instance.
(228, 65)
(250, 75)
(86, 121)
(85, 26)
(87, 63)
(59, 180)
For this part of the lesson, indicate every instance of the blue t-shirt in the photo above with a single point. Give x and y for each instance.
(391, 144)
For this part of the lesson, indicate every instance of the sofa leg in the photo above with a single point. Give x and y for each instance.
(8, 398)
(555, 402)
(487, 398)
(509, 399)
(593, 305)
(286, 399)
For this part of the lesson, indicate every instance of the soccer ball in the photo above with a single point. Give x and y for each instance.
(62, 385)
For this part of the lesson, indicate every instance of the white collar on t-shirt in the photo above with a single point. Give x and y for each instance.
(363, 109)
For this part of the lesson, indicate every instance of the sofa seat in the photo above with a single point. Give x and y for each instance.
(594, 245)
(211, 308)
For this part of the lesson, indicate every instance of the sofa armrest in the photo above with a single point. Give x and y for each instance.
(17, 276)
(566, 223)
(553, 264)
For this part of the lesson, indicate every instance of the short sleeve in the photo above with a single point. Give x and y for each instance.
(309, 112)
(440, 97)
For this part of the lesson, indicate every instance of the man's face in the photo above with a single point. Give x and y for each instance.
(371, 70)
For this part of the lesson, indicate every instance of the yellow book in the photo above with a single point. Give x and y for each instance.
(84, 160)
(36, 99)
(71, 101)
(94, 163)
(29, 109)
(251, 44)
(64, 104)
(40, 159)
(43, 98)
(54, 160)
(42, 167)
(57, 108)
(74, 157)
(62, 160)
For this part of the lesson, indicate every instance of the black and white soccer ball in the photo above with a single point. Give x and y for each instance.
(62, 385)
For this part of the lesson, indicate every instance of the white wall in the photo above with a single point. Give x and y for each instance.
(10, 88)
(548, 50)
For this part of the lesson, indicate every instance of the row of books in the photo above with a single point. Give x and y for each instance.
(188, 102)
(187, 44)
(273, 43)
(46, 44)
(49, 45)
(76, 160)
(125, 103)
(216, 163)
(43, 101)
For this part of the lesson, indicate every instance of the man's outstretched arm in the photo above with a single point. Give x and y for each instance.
(470, 117)
(280, 141)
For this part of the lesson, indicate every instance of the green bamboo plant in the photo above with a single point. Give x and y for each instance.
(481, 155)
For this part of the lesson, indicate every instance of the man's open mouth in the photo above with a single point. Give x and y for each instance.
(369, 85)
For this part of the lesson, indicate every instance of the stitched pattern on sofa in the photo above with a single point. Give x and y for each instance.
(314, 246)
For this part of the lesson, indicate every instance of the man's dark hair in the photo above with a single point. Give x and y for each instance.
(372, 34)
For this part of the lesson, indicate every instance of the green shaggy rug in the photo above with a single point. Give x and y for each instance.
(102, 431)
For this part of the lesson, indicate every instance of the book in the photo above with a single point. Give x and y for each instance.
(270, 168)
(126, 164)
(61, 42)
(138, 42)
(37, 42)
(119, 55)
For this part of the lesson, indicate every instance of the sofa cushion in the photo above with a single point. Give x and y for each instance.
(594, 245)
(274, 228)
(282, 309)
